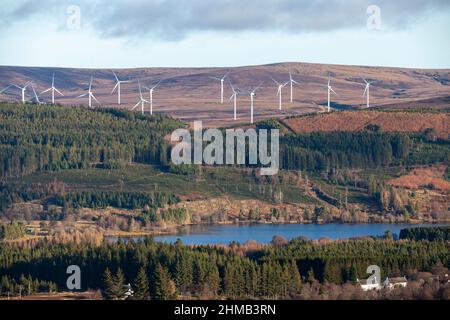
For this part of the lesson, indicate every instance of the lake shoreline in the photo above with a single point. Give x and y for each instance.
(264, 232)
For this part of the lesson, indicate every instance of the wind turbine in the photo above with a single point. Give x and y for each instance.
(252, 97)
(234, 96)
(330, 89)
(367, 91)
(53, 89)
(280, 88)
(23, 89)
(117, 86)
(151, 95)
(292, 81)
(89, 94)
(142, 101)
(222, 80)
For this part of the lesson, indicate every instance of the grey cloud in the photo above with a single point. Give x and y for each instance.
(173, 19)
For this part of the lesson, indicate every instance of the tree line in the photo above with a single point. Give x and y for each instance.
(116, 199)
(431, 234)
(236, 272)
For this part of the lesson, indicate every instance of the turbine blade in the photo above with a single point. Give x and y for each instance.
(81, 96)
(137, 104)
(140, 90)
(95, 98)
(259, 86)
(156, 85)
(226, 75)
(46, 90)
(59, 92)
(333, 91)
(4, 89)
(115, 87)
(117, 79)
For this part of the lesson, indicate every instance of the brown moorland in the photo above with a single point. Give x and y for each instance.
(423, 177)
(190, 93)
(357, 121)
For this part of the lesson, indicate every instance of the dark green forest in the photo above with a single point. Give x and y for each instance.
(36, 137)
(319, 151)
(170, 269)
(430, 234)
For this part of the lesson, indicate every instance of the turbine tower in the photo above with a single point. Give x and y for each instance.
(142, 101)
(150, 90)
(222, 80)
(89, 94)
(367, 91)
(234, 97)
(117, 86)
(22, 89)
(252, 97)
(330, 89)
(292, 81)
(53, 90)
(280, 89)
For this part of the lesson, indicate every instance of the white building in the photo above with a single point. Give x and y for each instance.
(389, 283)
(392, 283)
(368, 285)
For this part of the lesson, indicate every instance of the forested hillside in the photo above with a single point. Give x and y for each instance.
(37, 137)
(170, 271)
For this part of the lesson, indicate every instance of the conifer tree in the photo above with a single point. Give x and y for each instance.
(141, 286)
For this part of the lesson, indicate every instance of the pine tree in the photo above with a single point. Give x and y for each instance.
(165, 288)
(141, 286)
(109, 286)
(296, 279)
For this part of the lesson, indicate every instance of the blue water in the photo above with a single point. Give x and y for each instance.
(224, 234)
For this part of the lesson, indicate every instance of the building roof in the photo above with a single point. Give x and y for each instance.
(397, 280)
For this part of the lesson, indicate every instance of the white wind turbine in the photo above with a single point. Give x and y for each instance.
(252, 97)
(222, 80)
(367, 91)
(291, 82)
(142, 101)
(22, 89)
(151, 90)
(89, 94)
(280, 89)
(53, 90)
(330, 89)
(234, 97)
(117, 86)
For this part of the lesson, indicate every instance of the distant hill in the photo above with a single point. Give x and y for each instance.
(190, 93)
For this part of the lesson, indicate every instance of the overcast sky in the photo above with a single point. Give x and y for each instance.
(201, 33)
